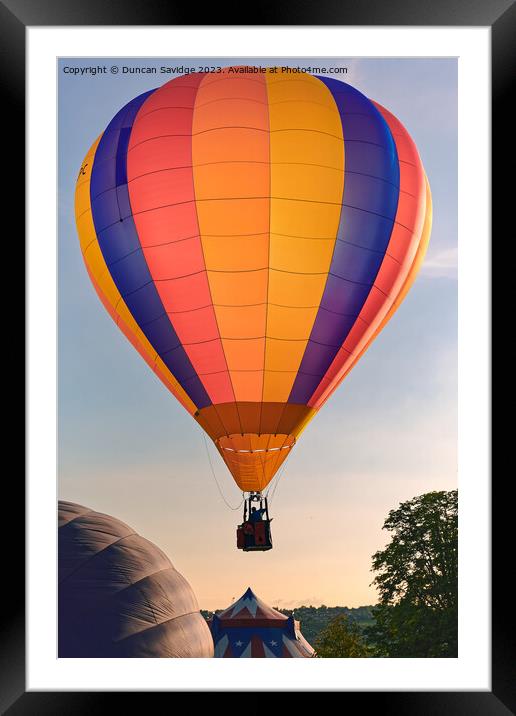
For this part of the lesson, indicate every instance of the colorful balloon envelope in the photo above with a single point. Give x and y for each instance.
(251, 234)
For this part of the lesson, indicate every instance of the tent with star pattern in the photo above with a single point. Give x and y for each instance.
(249, 628)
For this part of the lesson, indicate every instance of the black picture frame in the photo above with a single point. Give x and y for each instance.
(500, 16)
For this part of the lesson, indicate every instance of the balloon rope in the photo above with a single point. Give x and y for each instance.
(272, 488)
(216, 481)
(276, 481)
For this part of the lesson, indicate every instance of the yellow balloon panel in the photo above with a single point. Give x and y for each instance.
(306, 198)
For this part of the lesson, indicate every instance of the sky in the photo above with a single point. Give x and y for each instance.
(128, 448)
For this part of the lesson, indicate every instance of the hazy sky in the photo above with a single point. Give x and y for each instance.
(128, 448)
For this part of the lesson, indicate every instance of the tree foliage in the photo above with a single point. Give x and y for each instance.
(341, 638)
(315, 619)
(416, 578)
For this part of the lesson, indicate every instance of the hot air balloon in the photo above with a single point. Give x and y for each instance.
(119, 594)
(251, 234)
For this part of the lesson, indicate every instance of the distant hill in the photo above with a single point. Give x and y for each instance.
(314, 619)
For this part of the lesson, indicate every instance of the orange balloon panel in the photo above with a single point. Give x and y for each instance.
(251, 233)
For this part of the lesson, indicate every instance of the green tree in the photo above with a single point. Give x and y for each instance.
(341, 638)
(417, 580)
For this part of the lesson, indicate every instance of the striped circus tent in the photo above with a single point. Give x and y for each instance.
(249, 628)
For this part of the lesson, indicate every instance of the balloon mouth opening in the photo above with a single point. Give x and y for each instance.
(250, 443)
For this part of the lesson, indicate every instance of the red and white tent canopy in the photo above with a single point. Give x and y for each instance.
(250, 628)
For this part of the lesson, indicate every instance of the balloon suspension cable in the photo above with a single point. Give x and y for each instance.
(274, 484)
(216, 481)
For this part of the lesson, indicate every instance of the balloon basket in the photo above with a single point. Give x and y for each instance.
(254, 538)
(254, 534)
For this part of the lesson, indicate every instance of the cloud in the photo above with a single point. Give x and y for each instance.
(294, 603)
(355, 74)
(441, 264)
